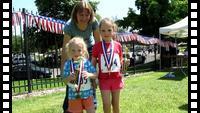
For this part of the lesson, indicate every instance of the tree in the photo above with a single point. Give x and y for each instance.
(178, 9)
(60, 9)
(154, 14)
(128, 21)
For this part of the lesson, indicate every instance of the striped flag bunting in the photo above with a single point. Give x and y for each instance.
(56, 26)
(128, 37)
(45, 23)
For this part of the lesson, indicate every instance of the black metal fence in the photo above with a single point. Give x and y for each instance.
(34, 65)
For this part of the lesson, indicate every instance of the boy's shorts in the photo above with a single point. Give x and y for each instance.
(78, 105)
(111, 84)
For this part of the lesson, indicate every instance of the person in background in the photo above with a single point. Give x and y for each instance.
(82, 23)
(110, 61)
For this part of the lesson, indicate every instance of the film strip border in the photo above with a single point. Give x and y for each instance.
(193, 34)
(6, 34)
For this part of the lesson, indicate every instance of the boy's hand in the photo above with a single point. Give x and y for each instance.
(85, 75)
(90, 75)
(72, 77)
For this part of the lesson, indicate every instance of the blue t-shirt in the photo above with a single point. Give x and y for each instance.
(86, 88)
(72, 30)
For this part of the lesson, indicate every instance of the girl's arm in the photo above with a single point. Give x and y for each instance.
(121, 57)
(64, 53)
(94, 61)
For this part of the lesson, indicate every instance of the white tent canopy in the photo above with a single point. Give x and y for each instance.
(178, 30)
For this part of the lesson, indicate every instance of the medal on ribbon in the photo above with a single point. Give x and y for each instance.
(78, 74)
(108, 57)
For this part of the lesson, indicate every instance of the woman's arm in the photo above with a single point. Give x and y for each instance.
(96, 35)
(94, 61)
(64, 53)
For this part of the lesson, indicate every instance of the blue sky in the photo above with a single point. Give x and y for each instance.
(28, 4)
(115, 8)
(106, 8)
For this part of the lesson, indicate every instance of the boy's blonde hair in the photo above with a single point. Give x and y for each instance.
(79, 7)
(106, 20)
(76, 40)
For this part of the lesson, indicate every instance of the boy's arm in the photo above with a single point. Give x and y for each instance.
(91, 75)
(66, 74)
(91, 70)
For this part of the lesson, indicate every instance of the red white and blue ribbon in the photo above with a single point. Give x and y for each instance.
(79, 74)
(108, 59)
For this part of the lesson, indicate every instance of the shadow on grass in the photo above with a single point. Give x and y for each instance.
(176, 75)
(184, 107)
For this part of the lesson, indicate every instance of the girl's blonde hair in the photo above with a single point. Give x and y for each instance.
(108, 20)
(76, 40)
(79, 7)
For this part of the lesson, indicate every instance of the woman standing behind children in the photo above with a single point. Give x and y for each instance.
(84, 24)
(78, 71)
(110, 58)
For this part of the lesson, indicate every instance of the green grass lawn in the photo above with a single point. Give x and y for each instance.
(149, 93)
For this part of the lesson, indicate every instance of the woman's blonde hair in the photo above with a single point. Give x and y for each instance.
(106, 20)
(80, 6)
(76, 40)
